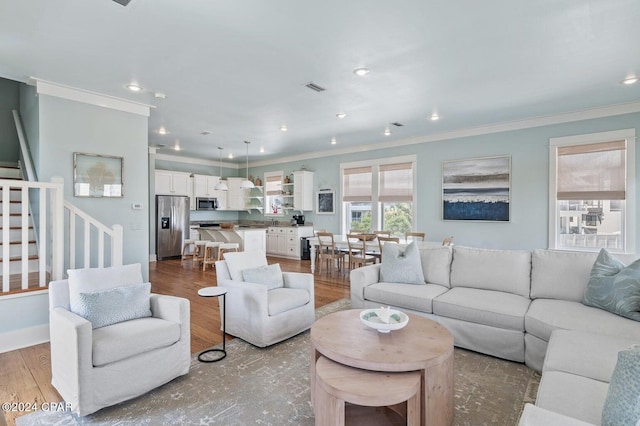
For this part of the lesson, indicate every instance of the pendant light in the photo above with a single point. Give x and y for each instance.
(247, 184)
(221, 185)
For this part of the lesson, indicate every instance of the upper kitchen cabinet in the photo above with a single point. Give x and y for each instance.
(303, 190)
(204, 186)
(236, 196)
(173, 183)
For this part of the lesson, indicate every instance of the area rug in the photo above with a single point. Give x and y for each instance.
(270, 386)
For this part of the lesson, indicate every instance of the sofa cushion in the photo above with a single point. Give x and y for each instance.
(401, 264)
(118, 304)
(500, 270)
(237, 262)
(284, 299)
(546, 315)
(536, 416)
(622, 405)
(557, 274)
(572, 395)
(408, 296)
(88, 280)
(436, 264)
(585, 354)
(126, 339)
(488, 307)
(614, 287)
(269, 275)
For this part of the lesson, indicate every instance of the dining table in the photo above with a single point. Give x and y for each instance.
(371, 246)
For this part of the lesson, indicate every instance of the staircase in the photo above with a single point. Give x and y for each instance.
(17, 248)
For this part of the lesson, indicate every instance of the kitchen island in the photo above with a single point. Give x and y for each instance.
(250, 238)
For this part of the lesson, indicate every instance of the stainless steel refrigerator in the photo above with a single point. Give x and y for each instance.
(172, 225)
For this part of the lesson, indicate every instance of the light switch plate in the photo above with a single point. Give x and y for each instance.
(136, 206)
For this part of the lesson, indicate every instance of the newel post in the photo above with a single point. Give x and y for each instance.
(57, 228)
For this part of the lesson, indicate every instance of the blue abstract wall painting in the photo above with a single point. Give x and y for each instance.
(477, 189)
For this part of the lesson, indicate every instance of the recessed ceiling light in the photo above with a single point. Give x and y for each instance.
(230, 156)
(134, 87)
(333, 141)
(262, 149)
(361, 71)
(177, 145)
(283, 128)
(159, 95)
(387, 132)
(630, 80)
(205, 132)
(163, 131)
(434, 117)
(341, 114)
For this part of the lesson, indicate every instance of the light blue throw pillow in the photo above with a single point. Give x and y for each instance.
(400, 266)
(614, 287)
(622, 406)
(116, 305)
(269, 275)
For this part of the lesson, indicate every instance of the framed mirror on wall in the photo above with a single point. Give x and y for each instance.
(97, 175)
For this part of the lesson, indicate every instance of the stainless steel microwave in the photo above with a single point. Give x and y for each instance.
(204, 203)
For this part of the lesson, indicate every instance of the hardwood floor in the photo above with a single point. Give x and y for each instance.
(25, 374)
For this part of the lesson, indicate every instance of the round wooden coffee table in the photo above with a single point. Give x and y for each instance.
(422, 345)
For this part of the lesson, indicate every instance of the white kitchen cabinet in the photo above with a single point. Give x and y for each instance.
(204, 186)
(173, 183)
(303, 190)
(236, 196)
(284, 241)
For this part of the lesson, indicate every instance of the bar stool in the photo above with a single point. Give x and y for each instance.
(336, 384)
(188, 248)
(209, 257)
(198, 253)
(226, 247)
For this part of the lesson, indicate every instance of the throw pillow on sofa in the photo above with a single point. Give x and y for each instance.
(270, 275)
(614, 287)
(622, 405)
(401, 266)
(103, 308)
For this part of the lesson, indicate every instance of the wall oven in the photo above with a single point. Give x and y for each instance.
(204, 203)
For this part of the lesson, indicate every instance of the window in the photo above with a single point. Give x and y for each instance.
(379, 195)
(592, 194)
(273, 201)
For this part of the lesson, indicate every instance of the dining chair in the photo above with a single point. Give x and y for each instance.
(383, 233)
(357, 252)
(448, 241)
(383, 240)
(328, 253)
(414, 236)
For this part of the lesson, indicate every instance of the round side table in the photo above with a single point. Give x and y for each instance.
(215, 292)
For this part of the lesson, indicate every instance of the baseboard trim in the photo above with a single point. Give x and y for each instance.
(13, 340)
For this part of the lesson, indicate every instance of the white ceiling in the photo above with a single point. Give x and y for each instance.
(238, 68)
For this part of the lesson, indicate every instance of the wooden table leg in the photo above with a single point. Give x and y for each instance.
(437, 391)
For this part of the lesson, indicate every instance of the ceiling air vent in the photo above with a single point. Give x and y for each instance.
(315, 87)
(397, 124)
(122, 2)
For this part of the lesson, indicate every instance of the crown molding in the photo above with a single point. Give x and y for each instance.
(92, 98)
(191, 160)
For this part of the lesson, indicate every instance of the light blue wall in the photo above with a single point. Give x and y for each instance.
(528, 228)
(9, 100)
(67, 127)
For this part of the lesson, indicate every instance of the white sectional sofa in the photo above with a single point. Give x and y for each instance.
(509, 304)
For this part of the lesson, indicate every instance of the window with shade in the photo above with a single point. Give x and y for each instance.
(592, 203)
(273, 205)
(378, 195)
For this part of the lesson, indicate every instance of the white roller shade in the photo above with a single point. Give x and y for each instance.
(592, 172)
(396, 182)
(357, 184)
(273, 185)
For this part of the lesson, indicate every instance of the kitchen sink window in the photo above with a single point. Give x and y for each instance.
(273, 194)
(378, 195)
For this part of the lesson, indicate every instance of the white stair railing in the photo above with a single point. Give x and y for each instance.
(88, 226)
(42, 194)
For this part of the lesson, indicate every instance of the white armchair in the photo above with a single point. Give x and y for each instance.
(257, 314)
(95, 368)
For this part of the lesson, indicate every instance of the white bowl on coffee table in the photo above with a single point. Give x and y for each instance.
(384, 319)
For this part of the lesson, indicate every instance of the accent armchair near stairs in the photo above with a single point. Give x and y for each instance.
(264, 313)
(96, 367)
